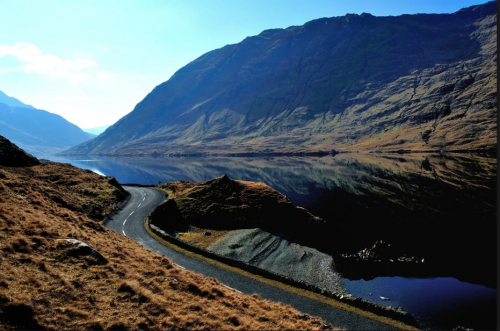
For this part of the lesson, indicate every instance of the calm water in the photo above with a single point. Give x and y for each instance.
(439, 208)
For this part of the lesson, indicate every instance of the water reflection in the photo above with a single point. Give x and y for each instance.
(442, 208)
(437, 303)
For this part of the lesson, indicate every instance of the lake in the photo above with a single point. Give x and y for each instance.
(442, 209)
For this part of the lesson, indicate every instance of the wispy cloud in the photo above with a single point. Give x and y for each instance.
(35, 61)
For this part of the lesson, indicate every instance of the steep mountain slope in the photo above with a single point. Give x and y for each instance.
(37, 131)
(357, 82)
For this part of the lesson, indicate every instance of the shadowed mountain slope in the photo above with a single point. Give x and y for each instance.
(356, 82)
(13, 156)
(37, 131)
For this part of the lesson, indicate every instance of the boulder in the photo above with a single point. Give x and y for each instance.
(79, 248)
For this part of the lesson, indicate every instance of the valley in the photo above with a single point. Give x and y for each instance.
(336, 174)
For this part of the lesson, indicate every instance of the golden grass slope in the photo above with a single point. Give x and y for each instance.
(43, 285)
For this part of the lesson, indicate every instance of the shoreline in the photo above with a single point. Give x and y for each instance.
(397, 314)
(320, 153)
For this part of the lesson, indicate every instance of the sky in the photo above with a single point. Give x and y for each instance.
(92, 61)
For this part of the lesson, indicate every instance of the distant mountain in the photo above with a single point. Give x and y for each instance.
(97, 130)
(356, 82)
(10, 101)
(36, 131)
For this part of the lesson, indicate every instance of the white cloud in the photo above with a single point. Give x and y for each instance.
(35, 61)
(103, 76)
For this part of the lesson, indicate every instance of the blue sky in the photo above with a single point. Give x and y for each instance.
(92, 61)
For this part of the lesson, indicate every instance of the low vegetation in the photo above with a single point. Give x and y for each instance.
(204, 212)
(48, 283)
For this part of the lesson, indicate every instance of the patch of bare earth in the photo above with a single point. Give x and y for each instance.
(47, 283)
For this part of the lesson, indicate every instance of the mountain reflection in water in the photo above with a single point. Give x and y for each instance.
(441, 208)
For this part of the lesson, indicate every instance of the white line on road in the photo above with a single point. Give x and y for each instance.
(139, 205)
(233, 289)
(179, 266)
(123, 228)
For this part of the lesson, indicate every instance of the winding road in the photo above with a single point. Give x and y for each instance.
(129, 221)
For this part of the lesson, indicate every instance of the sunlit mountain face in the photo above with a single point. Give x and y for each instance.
(423, 82)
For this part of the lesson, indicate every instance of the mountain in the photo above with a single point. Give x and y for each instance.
(424, 82)
(37, 131)
(4, 98)
(97, 130)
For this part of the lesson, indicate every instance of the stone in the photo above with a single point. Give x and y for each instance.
(83, 249)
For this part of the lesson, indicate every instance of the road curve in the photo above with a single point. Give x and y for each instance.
(129, 221)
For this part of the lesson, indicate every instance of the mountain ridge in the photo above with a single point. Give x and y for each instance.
(322, 86)
(11, 101)
(37, 131)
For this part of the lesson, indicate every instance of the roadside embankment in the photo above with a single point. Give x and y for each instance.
(270, 252)
(397, 314)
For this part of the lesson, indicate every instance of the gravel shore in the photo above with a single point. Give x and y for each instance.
(270, 252)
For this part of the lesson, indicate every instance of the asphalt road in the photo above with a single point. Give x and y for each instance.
(129, 221)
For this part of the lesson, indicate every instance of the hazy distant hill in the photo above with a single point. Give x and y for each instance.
(97, 130)
(356, 82)
(37, 131)
(4, 98)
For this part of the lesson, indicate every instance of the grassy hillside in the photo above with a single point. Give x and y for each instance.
(48, 283)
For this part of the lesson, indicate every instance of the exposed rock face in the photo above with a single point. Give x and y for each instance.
(357, 82)
(13, 156)
(222, 203)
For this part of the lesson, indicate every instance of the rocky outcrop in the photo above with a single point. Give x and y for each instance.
(356, 82)
(13, 156)
(382, 251)
(222, 203)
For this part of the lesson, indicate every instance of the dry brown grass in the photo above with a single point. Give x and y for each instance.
(202, 237)
(42, 285)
